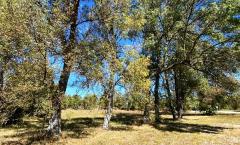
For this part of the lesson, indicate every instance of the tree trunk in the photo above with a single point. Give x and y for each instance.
(179, 94)
(128, 105)
(1, 84)
(146, 114)
(128, 100)
(157, 99)
(169, 98)
(180, 103)
(1, 78)
(110, 94)
(54, 127)
(108, 113)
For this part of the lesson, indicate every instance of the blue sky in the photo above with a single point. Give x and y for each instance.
(74, 84)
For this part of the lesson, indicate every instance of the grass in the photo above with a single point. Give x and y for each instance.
(85, 127)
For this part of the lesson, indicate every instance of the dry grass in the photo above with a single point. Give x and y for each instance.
(84, 127)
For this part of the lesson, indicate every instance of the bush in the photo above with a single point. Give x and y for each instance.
(89, 102)
(191, 103)
(74, 102)
(208, 109)
(234, 102)
(120, 102)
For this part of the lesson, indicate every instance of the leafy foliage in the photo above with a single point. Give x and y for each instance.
(144, 55)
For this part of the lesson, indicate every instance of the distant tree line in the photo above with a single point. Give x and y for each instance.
(121, 102)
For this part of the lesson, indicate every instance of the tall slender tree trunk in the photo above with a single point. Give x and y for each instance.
(157, 99)
(112, 40)
(110, 94)
(146, 112)
(1, 78)
(54, 127)
(128, 99)
(169, 98)
(128, 104)
(180, 103)
(179, 94)
(1, 84)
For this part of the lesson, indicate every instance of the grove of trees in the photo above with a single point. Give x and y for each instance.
(150, 55)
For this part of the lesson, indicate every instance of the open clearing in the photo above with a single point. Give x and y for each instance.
(84, 127)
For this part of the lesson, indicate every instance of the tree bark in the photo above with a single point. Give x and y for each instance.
(1, 84)
(109, 108)
(112, 40)
(146, 114)
(54, 127)
(157, 99)
(128, 100)
(169, 98)
(1, 78)
(108, 113)
(179, 94)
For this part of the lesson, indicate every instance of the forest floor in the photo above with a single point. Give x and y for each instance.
(84, 127)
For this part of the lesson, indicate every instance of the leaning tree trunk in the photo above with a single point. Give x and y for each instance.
(54, 127)
(157, 99)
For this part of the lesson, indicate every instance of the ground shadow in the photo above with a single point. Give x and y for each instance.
(178, 126)
(121, 128)
(29, 132)
(76, 127)
(128, 119)
(167, 124)
(32, 132)
(220, 114)
(25, 124)
(28, 137)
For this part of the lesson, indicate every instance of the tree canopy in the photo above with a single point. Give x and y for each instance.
(161, 55)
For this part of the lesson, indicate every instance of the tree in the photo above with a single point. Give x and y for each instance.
(24, 70)
(70, 12)
(152, 49)
(169, 94)
(136, 81)
(184, 34)
(114, 21)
